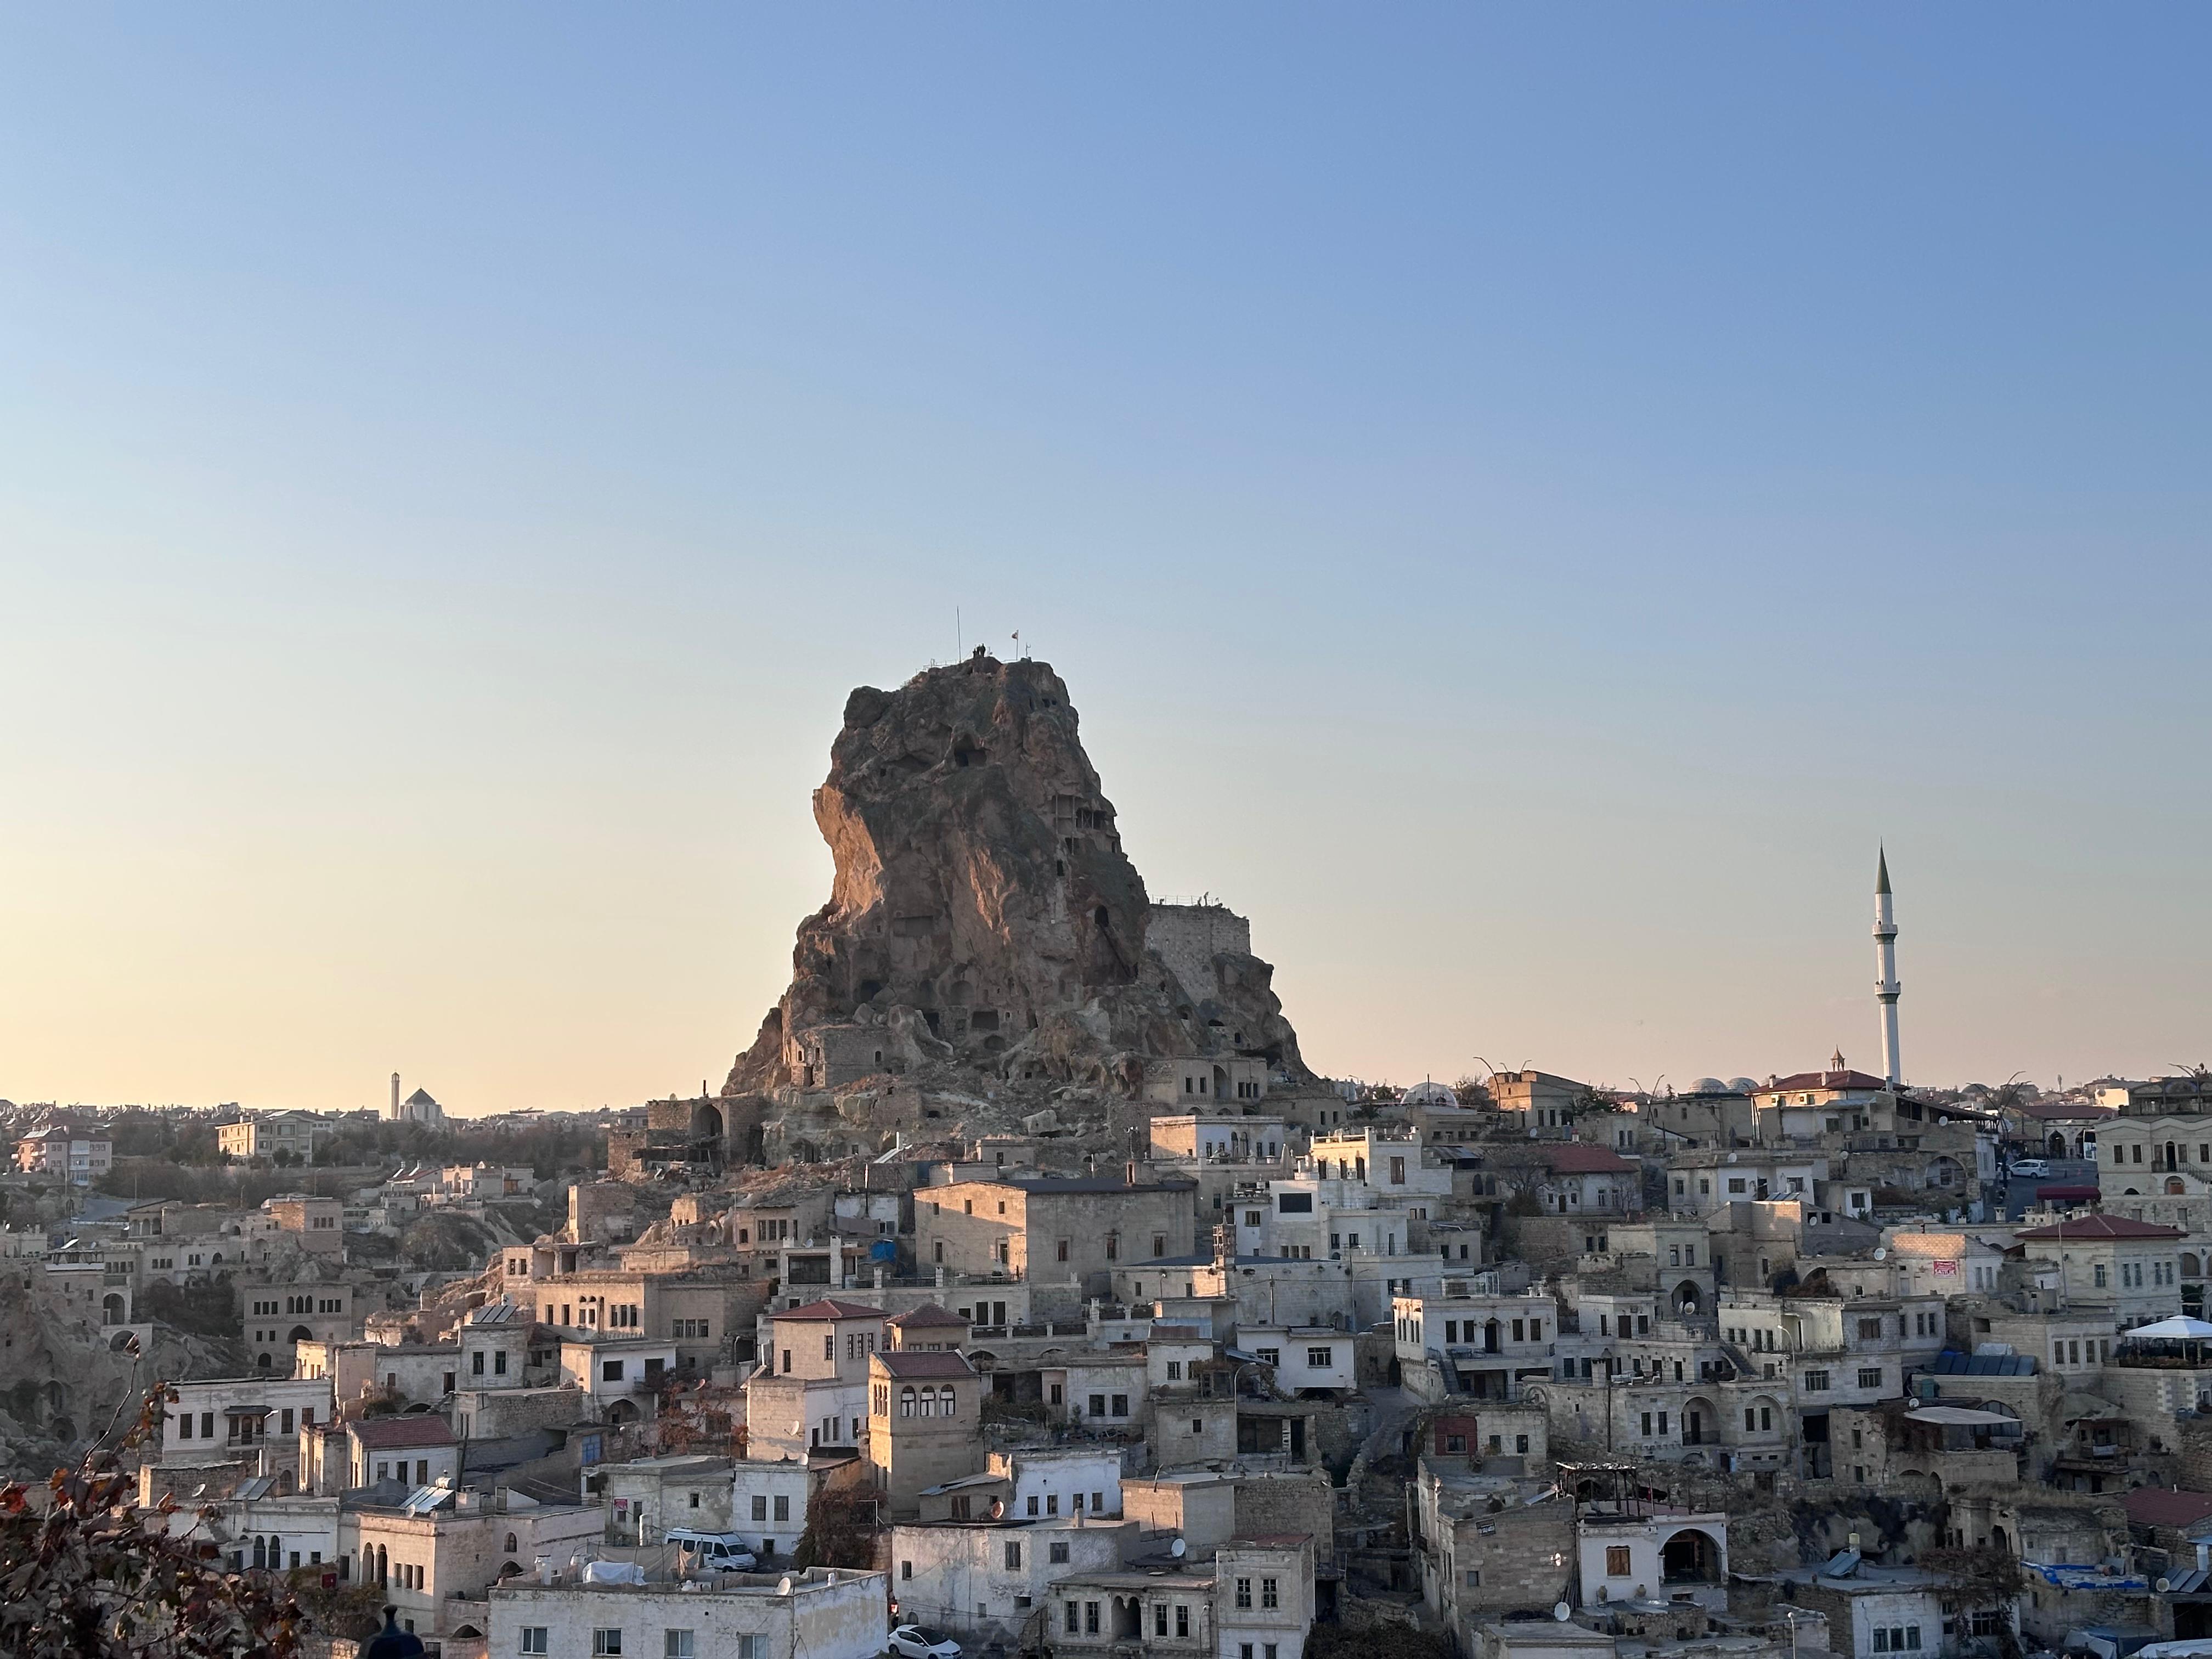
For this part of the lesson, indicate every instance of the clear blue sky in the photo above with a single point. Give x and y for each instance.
(1523, 499)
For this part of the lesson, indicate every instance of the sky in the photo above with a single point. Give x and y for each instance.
(1526, 500)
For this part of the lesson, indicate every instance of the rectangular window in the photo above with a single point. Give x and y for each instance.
(1013, 1555)
(606, 1644)
(1059, 1555)
(1244, 1593)
(1870, 1377)
(1816, 1382)
(1182, 1618)
(533, 1638)
(676, 1644)
(1159, 1618)
(1881, 1638)
(1318, 1358)
(1120, 1405)
(1091, 1618)
(760, 1506)
(1269, 1597)
(1616, 1561)
(783, 1506)
(1072, 1627)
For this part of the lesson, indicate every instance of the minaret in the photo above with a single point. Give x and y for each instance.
(1885, 986)
(395, 1096)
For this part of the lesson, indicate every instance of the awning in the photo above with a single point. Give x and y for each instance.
(1960, 1416)
(2075, 1195)
(2073, 1577)
(2179, 1329)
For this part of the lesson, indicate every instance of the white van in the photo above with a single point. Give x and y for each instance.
(714, 1552)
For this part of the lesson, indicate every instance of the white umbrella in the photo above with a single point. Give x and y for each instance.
(2179, 1329)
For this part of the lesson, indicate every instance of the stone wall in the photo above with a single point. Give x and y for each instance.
(1288, 1502)
(1188, 938)
(494, 1413)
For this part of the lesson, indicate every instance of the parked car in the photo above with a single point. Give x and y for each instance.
(920, 1642)
(716, 1552)
(2029, 1168)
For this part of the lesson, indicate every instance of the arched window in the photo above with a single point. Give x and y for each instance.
(929, 1402)
(944, 1400)
(906, 1401)
(260, 1552)
(510, 1544)
(383, 1566)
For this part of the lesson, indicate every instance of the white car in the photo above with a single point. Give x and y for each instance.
(2029, 1168)
(714, 1552)
(920, 1642)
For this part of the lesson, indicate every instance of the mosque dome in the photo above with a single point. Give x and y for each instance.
(1429, 1092)
(1707, 1085)
(1741, 1085)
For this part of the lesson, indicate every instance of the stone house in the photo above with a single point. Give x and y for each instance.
(1052, 1229)
(435, 1557)
(768, 1503)
(1635, 1556)
(811, 1391)
(824, 1612)
(922, 1424)
(417, 1451)
(1256, 1593)
(230, 1419)
(1871, 1610)
(986, 1580)
(1474, 1560)
(618, 1374)
(2131, 1267)
(646, 1496)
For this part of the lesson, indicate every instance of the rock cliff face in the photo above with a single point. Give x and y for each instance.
(984, 924)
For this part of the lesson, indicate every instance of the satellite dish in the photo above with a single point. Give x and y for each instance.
(1559, 1611)
(783, 1586)
(1177, 1548)
(998, 1508)
(2163, 1585)
(1731, 1158)
(1881, 1255)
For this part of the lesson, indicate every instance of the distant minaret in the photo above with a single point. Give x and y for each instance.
(395, 1096)
(1885, 986)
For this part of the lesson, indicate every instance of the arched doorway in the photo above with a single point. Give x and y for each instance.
(623, 1410)
(301, 1333)
(2173, 1187)
(706, 1123)
(1688, 1300)
(1690, 1557)
(2057, 1146)
(111, 1311)
(1701, 1422)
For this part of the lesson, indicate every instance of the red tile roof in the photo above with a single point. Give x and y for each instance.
(1572, 1157)
(388, 1433)
(1844, 1079)
(2155, 1506)
(928, 1314)
(910, 1362)
(829, 1307)
(2092, 1227)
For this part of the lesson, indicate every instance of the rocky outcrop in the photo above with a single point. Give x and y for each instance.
(985, 928)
